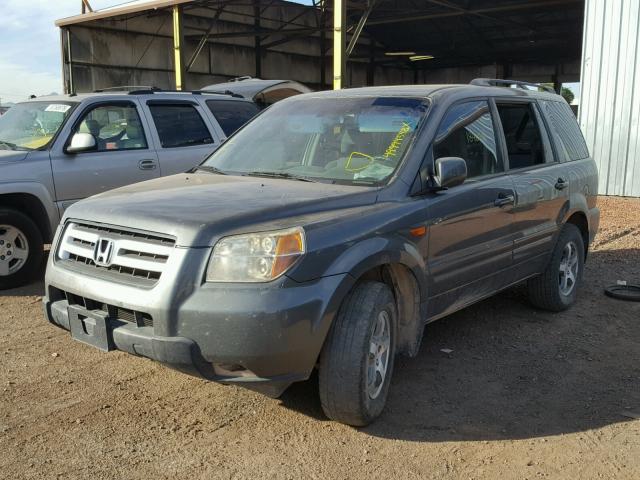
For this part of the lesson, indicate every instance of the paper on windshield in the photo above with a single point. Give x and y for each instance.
(57, 107)
(374, 170)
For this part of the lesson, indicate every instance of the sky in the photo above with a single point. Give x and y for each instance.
(30, 58)
(30, 62)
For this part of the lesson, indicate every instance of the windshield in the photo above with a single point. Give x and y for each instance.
(358, 140)
(32, 125)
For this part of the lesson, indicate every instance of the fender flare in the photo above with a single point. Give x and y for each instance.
(377, 251)
(41, 194)
(410, 289)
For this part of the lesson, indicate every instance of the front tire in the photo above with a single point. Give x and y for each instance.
(357, 360)
(556, 289)
(21, 249)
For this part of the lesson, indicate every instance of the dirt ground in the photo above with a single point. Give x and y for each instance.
(524, 395)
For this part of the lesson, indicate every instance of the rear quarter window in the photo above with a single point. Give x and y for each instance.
(179, 125)
(231, 115)
(565, 131)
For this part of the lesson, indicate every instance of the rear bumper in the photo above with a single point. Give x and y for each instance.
(263, 337)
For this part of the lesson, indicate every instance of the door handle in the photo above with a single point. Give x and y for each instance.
(146, 165)
(503, 200)
(561, 184)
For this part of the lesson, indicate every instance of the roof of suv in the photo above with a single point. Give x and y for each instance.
(143, 92)
(478, 87)
(470, 90)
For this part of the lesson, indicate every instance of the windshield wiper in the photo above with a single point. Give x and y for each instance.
(288, 176)
(207, 168)
(12, 146)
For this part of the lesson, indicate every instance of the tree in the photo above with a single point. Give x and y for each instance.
(567, 94)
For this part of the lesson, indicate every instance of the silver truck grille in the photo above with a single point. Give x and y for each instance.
(115, 253)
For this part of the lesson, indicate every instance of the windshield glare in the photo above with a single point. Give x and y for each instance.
(32, 125)
(358, 140)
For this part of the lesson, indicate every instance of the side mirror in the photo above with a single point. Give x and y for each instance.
(450, 171)
(82, 142)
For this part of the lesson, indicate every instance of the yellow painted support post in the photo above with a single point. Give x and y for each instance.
(178, 42)
(339, 38)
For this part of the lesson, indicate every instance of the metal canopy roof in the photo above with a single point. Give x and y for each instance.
(375, 42)
(119, 10)
(465, 32)
(454, 32)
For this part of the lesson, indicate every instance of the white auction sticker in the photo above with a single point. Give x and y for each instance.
(57, 107)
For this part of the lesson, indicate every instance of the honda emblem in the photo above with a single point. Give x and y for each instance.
(103, 252)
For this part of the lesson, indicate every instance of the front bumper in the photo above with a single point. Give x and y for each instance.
(261, 336)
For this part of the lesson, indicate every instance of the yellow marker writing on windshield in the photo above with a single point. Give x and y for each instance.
(349, 168)
(392, 149)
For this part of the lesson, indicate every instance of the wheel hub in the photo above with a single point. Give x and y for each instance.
(568, 271)
(378, 359)
(14, 250)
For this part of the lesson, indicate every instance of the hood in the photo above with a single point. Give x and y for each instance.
(7, 156)
(198, 208)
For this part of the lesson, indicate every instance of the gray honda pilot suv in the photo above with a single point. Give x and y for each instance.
(327, 232)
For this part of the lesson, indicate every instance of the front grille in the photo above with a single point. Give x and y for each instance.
(132, 256)
(141, 319)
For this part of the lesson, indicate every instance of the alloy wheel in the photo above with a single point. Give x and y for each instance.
(378, 358)
(14, 250)
(568, 273)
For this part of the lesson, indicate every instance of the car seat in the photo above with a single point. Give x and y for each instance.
(134, 138)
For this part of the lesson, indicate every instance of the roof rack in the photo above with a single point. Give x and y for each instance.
(498, 82)
(127, 88)
(146, 90)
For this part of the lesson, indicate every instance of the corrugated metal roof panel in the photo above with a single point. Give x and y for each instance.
(132, 7)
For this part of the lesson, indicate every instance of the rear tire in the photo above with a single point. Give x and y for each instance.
(556, 289)
(21, 249)
(357, 360)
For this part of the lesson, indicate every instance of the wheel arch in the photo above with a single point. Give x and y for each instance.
(579, 219)
(30, 205)
(405, 289)
(397, 263)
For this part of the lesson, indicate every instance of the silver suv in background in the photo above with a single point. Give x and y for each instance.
(57, 150)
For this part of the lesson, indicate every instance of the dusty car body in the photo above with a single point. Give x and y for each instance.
(332, 244)
(59, 149)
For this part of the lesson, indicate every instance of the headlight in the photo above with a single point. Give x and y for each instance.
(255, 257)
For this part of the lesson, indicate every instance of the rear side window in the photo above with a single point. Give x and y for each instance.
(522, 133)
(179, 125)
(467, 132)
(565, 130)
(232, 115)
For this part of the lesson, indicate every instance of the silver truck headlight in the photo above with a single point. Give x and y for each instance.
(255, 257)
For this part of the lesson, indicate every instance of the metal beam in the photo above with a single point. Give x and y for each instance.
(260, 31)
(205, 37)
(476, 11)
(178, 44)
(145, 69)
(70, 61)
(339, 36)
(360, 26)
(288, 22)
(322, 23)
(466, 12)
(86, 6)
(257, 40)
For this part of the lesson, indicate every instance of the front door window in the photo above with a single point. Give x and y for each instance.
(114, 126)
(467, 132)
